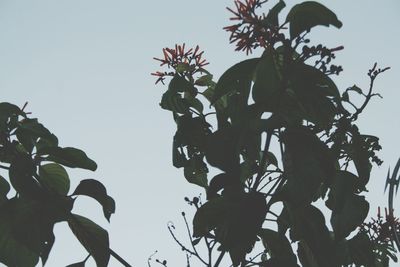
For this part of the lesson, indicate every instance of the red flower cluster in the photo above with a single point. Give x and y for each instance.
(184, 62)
(250, 32)
(381, 230)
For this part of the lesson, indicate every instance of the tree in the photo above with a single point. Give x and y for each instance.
(283, 105)
(35, 164)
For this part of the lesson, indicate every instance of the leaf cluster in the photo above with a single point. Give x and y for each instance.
(282, 97)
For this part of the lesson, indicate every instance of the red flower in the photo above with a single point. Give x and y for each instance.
(187, 63)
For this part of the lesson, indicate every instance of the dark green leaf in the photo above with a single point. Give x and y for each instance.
(21, 173)
(78, 264)
(278, 247)
(4, 188)
(361, 250)
(343, 186)
(95, 189)
(179, 84)
(308, 164)
(236, 218)
(266, 82)
(230, 79)
(92, 237)
(174, 102)
(205, 80)
(70, 157)
(222, 149)
(8, 110)
(354, 212)
(302, 17)
(195, 171)
(54, 177)
(272, 17)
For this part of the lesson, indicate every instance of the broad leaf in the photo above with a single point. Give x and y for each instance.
(70, 157)
(54, 177)
(95, 189)
(195, 171)
(21, 173)
(92, 237)
(174, 102)
(278, 247)
(180, 84)
(302, 17)
(272, 17)
(231, 78)
(4, 189)
(352, 215)
(8, 110)
(236, 219)
(266, 82)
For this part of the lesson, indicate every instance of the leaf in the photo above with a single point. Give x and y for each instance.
(4, 189)
(21, 172)
(308, 164)
(195, 172)
(229, 80)
(55, 178)
(352, 215)
(70, 157)
(174, 102)
(6, 111)
(278, 247)
(179, 84)
(78, 264)
(315, 93)
(92, 237)
(236, 219)
(356, 89)
(222, 149)
(26, 232)
(361, 250)
(272, 17)
(266, 82)
(205, 80)
(302, 17)
(94, 189)
(344, 185)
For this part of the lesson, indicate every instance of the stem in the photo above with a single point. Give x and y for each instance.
(119, 258)
(219, 258)
(263, 161)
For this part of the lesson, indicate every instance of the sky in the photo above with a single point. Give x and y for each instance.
(84, 67)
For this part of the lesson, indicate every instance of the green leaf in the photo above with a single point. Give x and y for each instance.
(266, 82)
(361, 250)
(179, 84)
(308, 163)
(92, 237)
(315, 93)
(195, 172)
(344, 185)
(55, 177)
(352, 215)
(21, 172)
(78, 264)
(278, 247)
(70, 157)
(205, 80)
(174, 102)
(236, 218)
(26, 232)
(222, 149)
(230, 79)
(304, 16)
(272, 17)
(8, 110)
(356, 89)
(94, 189)
(4, 189)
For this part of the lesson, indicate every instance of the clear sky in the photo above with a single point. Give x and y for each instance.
(84, 67)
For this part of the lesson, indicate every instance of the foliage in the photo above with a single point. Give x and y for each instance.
(287, 97)
(34, 162)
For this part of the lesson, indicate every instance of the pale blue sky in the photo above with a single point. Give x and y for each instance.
(84, 68)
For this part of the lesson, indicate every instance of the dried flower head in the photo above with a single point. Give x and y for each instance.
(186, 63)
(381, 229)
(251, 31)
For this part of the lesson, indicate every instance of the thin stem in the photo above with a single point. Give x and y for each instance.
(221, 256)
(263, 161)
